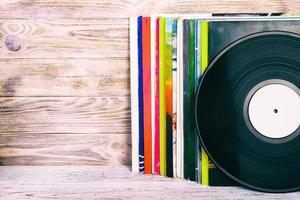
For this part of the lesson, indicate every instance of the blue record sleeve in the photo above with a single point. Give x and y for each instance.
(140, 94)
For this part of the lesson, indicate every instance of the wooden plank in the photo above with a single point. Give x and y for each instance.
(102, 38)
(74, 9)
(67, 149)
(76, 115)
(64, 77)
(93, 183)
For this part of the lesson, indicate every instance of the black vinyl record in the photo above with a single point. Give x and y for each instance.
(222, 113)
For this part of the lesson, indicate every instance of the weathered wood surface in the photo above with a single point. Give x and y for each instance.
(64, 75)
(67, 149)
(46, 115)
(122, 9)
(106, 77)
(77, 183)
(101, 38)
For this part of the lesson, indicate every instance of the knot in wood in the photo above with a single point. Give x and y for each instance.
(12, 43)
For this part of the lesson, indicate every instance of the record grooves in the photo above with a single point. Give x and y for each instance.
(255, 161)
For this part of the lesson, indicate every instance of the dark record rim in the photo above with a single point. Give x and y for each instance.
(210, 65)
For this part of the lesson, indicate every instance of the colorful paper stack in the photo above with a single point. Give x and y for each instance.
(168, 57)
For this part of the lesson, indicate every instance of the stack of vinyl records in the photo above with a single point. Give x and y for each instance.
(215, 99)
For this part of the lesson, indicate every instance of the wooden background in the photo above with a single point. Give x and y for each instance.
(64, 75)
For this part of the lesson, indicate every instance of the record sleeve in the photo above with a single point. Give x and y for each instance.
(189, 120)
(134, 94)
(153, 89)
(174, 95)
(211, 175)
(140, 94)
(157, 100)
(179, 116)
(185, 96)
(197, 80)
(168, 97)
(162, 100)
(146, 45)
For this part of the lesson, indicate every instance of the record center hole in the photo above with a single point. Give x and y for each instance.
(275, 111)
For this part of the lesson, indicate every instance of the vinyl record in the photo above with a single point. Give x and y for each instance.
(248, 111)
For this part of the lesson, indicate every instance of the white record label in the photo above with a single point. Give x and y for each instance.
(274, 110)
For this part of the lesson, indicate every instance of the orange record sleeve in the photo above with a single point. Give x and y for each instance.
(146, 40)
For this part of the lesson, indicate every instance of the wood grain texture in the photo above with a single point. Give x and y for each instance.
(77, 115)
(86, 9)
(67, 149)
(64, 77)
(102, 38)
(93, 183)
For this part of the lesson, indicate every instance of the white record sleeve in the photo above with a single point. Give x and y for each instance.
(153, 59)
(179, 94)
(134, 94)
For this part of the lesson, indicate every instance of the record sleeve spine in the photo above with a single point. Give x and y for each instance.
(134, 94)
(140, 96)
(204, 63)
(162, 101)
(146, 43)
(168, 92)
(157, 111)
